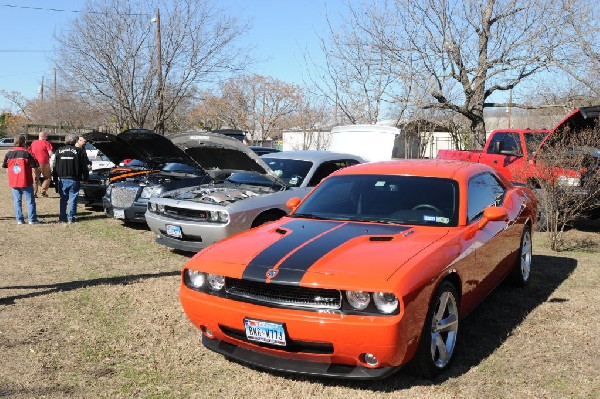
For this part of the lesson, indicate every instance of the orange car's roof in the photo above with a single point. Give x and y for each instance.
(419, 167)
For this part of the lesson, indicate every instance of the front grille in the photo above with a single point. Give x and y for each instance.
(123, 197)
(185, 213)
(284, 295)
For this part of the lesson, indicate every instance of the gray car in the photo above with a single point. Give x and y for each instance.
(7, 142)
(193, 218)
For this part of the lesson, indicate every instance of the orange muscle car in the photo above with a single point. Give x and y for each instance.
(373, 270)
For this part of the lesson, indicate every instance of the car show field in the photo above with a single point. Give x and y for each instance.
(92, 310)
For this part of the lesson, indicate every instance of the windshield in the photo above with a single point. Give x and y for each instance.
(291, 171)
(533, 141)
(384, 198)
(181, 168)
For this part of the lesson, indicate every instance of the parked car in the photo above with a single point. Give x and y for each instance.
(115, 149)
(7, 142)
(372, 271)
(170, 168)
(191, 218)
(263, 150)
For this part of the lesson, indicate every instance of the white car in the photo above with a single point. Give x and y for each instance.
(192, 218)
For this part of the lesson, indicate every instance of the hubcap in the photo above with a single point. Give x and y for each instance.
(526, 256)
(444, 326)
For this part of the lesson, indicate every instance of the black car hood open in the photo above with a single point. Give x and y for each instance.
(214, 151)
(145, 145)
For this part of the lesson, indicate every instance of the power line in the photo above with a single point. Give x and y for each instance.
(73, 11)
(25, 51)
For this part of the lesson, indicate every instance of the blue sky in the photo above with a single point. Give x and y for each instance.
(281, 30)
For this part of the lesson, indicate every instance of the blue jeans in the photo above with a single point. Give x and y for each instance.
(68, 190)
(18, 203)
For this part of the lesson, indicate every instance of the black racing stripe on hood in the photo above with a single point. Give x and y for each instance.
(297, 264)
(293, 268)
(300, 232)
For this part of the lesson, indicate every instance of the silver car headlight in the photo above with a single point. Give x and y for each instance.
(216, 282)
(151, 191)
(569, 181)
(218, 216)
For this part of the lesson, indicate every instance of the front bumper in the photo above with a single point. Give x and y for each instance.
(195, 235)
(345, 338)
(135, 213)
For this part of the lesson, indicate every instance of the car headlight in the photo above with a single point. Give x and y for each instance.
(386, 302)
(569, 181)
(218, 216)
(359, 300)
(150, 191)
(216, 282)
(194, 279)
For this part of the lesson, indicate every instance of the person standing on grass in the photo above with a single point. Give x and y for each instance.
(20, 164)
(81, 142)
(70, 166)
(41, 149)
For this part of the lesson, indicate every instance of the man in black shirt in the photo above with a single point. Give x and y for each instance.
(70, 166)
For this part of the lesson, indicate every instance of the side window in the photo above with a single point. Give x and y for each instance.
(509, 142)
(324, 170)
(484, 191)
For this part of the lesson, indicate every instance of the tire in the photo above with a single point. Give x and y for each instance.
(521, 271)
(440, 333)
(266, 217)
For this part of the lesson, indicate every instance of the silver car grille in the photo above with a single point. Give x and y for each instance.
(284, 295)
(123, 197)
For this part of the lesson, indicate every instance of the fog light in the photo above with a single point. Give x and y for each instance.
(370, 359)
(206, 331)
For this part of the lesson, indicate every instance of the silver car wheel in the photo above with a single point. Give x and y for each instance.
(444, 327)
(526, 250)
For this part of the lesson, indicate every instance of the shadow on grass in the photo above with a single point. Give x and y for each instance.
(74, 285)
(484, 330)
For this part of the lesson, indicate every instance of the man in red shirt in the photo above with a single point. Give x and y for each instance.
(19, 164)
(42, 151)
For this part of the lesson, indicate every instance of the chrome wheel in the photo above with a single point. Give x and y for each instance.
(444, 328)
(525, 256)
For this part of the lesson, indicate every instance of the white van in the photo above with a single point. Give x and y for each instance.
(371, 142)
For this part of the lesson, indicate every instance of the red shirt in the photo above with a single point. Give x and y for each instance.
(18, 163)
(39, 149)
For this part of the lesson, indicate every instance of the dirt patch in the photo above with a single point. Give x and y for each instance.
(91, 310)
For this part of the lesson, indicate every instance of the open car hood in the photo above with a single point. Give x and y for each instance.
(579, 119)
(214, 151)
(145, 145)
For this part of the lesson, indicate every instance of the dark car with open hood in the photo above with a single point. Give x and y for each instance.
(163, 166)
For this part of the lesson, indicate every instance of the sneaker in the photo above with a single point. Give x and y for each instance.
(20, 222)
(44, 195)
(36, 222)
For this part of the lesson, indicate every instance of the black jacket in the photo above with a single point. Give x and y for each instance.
(70, 162)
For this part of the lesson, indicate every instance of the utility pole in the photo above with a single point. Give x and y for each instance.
(42, 90)
(54, 87)
(509, 110)
(159, 90)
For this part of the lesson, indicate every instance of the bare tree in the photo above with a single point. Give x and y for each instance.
(257, 104)
(110, 53)
(462, 52)
(311, 122)
(357, 77)
(581, 60)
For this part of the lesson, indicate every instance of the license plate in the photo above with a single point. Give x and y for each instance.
(174, 231)
(264, 331)
(119, 213)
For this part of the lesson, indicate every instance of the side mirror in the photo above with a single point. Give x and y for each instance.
(498, 147)
(292, 203)
(492, 214)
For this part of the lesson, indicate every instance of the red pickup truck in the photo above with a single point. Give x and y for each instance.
(512, 151)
